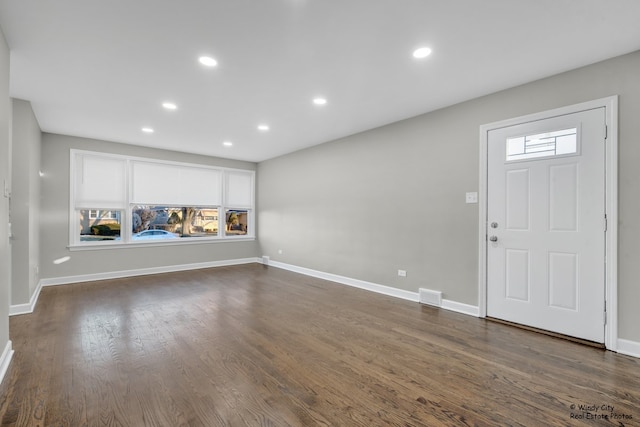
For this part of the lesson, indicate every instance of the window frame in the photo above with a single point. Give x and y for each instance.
(97, 215)
(577, 152)
(128, 203)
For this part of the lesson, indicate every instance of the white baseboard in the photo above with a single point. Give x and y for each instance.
(374, 287)
(458, 307)
(27, 308)
(5, 359)
(143, 271)
(627, 347)
(630, 348)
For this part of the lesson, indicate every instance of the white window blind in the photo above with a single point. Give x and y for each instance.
(99, 182)
(239, 189)
(157, 183)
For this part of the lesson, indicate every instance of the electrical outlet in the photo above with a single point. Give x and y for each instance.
(402, 273)
(471, 197)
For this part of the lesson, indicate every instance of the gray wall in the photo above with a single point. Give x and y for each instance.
(25, 202)
(5, 175)
(54, 217)
(394, 197)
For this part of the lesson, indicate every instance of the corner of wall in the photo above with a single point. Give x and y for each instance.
(5, 359)
(628, 348)
(5, 176)
(16, 309)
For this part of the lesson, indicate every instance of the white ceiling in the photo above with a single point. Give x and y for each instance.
(101, 69)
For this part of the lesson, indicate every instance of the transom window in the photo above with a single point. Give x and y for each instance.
(548, 144)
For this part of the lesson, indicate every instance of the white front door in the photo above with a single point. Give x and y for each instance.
(546, 224)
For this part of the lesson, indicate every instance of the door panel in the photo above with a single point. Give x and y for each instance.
(517, 210)
(545, 207)
(563, 280)
(517, 274)
(563, 198)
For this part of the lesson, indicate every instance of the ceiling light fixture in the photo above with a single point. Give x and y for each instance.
(227, 143)
(319, 101)
(147, 130)
(263, 128)
(422, 52)
(208, 61)
(169, 105)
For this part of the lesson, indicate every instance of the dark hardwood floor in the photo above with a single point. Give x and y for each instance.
(257, 346)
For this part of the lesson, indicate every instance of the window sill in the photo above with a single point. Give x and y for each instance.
(131, 245)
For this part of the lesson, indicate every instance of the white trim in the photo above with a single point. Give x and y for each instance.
(151, 243)
(5, 360)
(143, 271)
(459, 307)
(611, 205)
(356, 283)
(630, 348)
(27, 308)
(374, 287)
(611, 208)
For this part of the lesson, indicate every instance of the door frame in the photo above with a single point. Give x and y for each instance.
(611, 205)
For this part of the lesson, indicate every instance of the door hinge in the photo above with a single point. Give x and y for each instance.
(605, 313)
(606, 132)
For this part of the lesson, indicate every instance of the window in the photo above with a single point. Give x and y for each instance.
(237, 223)
(99, 225)
(166, 222)
(127, 200)
(548, 144)
(238, 198)
(175, 184)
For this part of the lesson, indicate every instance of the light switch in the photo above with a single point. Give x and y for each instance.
(472, 197)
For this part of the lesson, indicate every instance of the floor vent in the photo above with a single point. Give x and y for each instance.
(427, 296)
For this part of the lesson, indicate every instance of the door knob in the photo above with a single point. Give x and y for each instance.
(494, 225)
(493, 238)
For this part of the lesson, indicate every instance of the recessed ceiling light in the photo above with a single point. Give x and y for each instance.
(422, 52)
(169, 105)
(319, 101)
(208, 61)
(147, 130)
(263, 128)
(227, 143)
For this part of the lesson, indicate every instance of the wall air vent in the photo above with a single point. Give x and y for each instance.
(427, 296)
